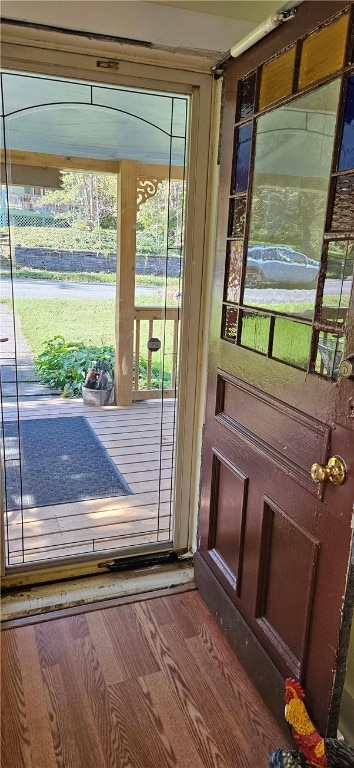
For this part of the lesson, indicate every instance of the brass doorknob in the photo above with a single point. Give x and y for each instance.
(335, 471)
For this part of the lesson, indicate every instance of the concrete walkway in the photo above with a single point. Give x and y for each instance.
(18, 374)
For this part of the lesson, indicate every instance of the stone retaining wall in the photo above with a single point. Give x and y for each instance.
(88, 261)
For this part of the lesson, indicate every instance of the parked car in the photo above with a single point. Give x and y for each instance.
(279, 265)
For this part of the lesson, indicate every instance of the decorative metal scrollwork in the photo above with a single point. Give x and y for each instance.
(146, 188)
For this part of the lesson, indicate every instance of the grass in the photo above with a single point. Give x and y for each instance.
(42, 319)
(89, 321)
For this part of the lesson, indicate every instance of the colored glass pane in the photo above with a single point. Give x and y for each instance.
(346, 157)
(343, 208)
(247, 94)
(233, 279)
(255, 331)
(338, 283)
(243, 156)
(277, 78)
(237, 217)
(229, 329)
(291, 342)
(329, 354)
(323, 52)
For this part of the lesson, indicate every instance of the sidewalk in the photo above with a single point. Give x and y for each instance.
(18, 374)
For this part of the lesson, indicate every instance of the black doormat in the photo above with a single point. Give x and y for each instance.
(62, 460)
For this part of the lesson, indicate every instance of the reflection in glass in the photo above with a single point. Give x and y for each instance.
(233, 281)
(248, 88)
(255, 331)
(229, 329)
(293, 155)
(339, 280)
(237, 217)
(243, 156)
(291, 342)
(343, 208)
(346, 157)
(329, 354)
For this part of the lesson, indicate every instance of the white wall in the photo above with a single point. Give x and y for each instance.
(151, 22)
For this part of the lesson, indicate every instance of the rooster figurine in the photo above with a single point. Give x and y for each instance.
(313, 751)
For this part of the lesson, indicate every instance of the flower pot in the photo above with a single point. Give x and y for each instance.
(98, 397)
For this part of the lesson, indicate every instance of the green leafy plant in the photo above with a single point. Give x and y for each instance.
(156, 375)
(64, 364)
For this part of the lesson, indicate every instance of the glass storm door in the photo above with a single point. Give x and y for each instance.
(91, 239)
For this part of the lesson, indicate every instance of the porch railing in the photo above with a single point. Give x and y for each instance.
(155, 372)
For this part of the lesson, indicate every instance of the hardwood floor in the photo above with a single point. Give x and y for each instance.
(139, 440)
(153, 684)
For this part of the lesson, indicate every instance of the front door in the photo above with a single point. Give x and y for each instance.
(274, 545)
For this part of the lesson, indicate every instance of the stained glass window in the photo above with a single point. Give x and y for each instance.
(323, 52)
(277, 78)
(237, 216)
(230, 323)
(255, 331)
(291, 342)
(233, 282)
(247, 94)
(243, 156)
(346, 157)
(343, 209)
(290, 261)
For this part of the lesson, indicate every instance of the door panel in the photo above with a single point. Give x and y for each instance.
(274, 547)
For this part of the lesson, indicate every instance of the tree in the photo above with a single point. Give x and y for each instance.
(86, 199)
(160, 219)
(89, 201)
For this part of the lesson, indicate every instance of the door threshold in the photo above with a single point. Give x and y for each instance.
(45, 599)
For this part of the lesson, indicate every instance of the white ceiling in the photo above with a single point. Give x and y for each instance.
(200, 26)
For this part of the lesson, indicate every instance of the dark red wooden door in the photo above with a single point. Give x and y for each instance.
(274, 546)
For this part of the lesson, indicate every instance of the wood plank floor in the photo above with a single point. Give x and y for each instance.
(153, 684)
(139, 440)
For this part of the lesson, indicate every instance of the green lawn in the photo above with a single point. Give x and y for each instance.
(42, 319)
(89, 321)
(92, 322)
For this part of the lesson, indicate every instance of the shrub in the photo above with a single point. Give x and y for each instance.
(64, 364)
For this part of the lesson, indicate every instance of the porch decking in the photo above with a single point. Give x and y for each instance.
(133, 437)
